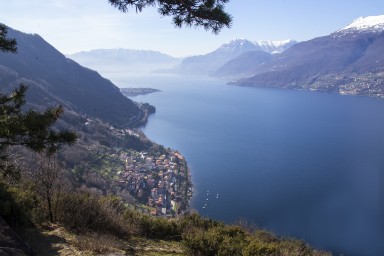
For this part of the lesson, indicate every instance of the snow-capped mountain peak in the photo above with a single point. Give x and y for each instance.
(365, 24)
(238, 42)
(275, 46)
(241, 44)
(236, 47)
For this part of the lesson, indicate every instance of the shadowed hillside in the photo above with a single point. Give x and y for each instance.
(54, 79)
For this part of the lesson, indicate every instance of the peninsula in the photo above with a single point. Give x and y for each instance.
(132, 92)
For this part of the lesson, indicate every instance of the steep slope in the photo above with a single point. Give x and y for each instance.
(55, 79)
(349, 61)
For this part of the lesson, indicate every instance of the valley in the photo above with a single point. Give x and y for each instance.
(274, 156)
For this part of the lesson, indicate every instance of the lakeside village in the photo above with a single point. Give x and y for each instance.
(160, 180)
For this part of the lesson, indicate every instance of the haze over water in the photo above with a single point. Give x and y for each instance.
(303, 164)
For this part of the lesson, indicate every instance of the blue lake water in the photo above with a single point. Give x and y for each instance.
(304, 164)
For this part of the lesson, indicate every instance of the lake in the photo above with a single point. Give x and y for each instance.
(303, 164)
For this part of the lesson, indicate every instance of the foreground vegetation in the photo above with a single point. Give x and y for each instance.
(97, 224)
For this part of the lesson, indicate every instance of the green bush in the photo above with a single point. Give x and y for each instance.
(257, 248)
(217, 240)
(196, 221)
(265, 236)
(152, 227)
(295, 247)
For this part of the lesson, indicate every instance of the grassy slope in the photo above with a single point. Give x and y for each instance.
(54, 239)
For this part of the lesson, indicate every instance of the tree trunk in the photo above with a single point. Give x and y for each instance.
(49, 207)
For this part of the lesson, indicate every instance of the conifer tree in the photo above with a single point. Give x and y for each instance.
(6, 44)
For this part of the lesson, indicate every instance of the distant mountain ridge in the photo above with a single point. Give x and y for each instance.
(209, 63)
(123, 53)
(114, 61)
(348, 61)
(244, 45)
(54, 79)
(121, 60)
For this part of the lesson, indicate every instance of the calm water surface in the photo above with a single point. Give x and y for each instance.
(302, 164)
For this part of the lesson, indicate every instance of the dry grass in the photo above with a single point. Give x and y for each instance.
(147, 247)
(97, 243)
(55, 240)
(51, 240)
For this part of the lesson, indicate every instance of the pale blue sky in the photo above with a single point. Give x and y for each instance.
(75, 25)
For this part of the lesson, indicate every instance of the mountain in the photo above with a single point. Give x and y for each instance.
(110, 61)
(207, 64)
(54, 79)
(363, 25)
(244, 65)
(348, 61)
(275, 46)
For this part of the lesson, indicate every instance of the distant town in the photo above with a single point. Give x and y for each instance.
(162, 183)
(159, 180)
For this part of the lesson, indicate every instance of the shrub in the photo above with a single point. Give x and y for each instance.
(295, 247)
(265, 236)
(152, 227)
(257, 248)
(83, 212)
(218, 240)
(195, 243)
(194, 220)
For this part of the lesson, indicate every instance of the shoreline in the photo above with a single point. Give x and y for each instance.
(133, 92)
(179, 203)
(158, 178)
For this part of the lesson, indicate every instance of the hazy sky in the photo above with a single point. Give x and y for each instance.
(76, 25)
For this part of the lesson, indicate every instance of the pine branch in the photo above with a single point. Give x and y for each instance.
(6, 44)
(208, 14)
